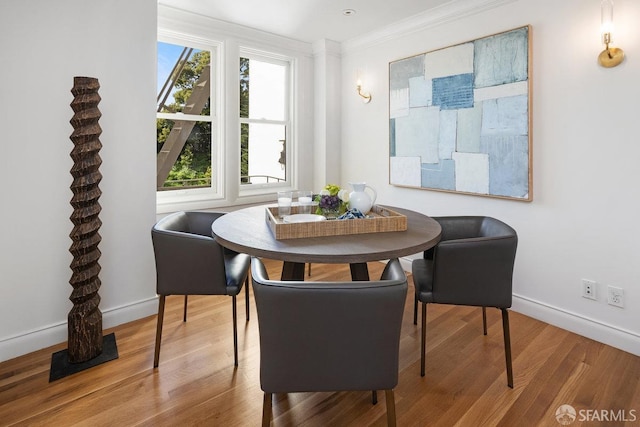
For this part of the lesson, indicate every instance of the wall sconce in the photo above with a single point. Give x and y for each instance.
(610, 56)
(366, 97)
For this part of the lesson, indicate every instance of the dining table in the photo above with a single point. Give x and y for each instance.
(246, 231)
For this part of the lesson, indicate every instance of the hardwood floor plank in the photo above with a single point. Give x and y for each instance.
(197, 384)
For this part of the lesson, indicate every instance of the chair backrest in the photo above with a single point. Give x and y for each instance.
(328, 336)
(188, 260)
(473, 263)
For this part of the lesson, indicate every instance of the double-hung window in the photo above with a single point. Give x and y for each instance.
(186, 119)
(202, 132)
(264, 120)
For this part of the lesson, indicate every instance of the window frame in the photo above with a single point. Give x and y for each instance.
(225, 94)
(187, 196)
(289, 63)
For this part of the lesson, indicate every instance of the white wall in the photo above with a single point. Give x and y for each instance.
(583, 221)
(327, 113)
(43, 45)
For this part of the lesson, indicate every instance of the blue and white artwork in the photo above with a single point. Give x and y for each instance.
(459, 118)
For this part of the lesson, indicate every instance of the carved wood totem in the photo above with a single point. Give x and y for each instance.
(85, 318)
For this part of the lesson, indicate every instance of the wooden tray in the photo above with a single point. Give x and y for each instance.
(379, 220)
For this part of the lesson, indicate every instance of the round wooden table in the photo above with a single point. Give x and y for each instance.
(246, 231)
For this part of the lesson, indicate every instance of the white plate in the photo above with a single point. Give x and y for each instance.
(303, 218)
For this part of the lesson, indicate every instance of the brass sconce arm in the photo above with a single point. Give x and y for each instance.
(610, 56)
(366, 97)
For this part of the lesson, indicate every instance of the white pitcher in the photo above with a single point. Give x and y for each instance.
(359, 199)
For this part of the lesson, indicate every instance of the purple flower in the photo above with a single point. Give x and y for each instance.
(329, 202)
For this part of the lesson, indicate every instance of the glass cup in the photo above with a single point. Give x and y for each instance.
(284, 203)
(305, 201)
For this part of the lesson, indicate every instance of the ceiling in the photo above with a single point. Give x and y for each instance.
(309, 20)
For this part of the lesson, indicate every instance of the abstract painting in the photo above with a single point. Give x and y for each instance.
(459, 118)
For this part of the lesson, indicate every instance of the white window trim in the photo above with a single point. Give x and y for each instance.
(167, 201)
(288, 122)
(229, 192)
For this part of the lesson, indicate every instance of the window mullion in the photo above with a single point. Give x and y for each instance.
(184, 117)
(264, 121)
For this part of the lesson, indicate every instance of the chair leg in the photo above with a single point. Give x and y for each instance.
(156, 356)
(507, 346)
(266, 410)
(309, 274)
(235, 330)
(374, 397)
(415, 311)
(391, 408)
(246, 296)
(484, 320)
(184, 315)
(423, 339)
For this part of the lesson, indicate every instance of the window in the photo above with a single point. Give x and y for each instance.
(225, 133)
(264, 120)
(184, 121)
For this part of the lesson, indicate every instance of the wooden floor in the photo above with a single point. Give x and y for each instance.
(196, 383)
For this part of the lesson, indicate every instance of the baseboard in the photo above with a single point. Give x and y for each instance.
(34, 340)
(594, 329)
(599, 331)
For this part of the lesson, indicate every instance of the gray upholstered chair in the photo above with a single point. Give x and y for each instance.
(323, 336)
(471, 265)
(190, 262)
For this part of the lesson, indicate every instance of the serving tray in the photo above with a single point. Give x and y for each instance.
(379, 220)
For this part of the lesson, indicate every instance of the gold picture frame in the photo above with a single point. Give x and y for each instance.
(460, 118)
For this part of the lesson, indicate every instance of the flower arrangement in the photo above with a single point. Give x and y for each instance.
(332, 201)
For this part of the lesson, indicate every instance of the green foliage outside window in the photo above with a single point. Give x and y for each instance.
(244, 113)
(194, 162)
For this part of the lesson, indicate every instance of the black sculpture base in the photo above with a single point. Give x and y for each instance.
(61, 367)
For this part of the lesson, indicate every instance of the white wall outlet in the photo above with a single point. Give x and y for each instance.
(615, 296)
(589, 289)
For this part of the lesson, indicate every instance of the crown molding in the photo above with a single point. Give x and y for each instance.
(451, 11)
(176, 21)
(327, 47)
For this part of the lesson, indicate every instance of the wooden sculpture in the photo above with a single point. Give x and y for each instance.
(85, 318)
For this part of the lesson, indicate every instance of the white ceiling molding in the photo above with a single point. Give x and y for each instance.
(327, 47)
(172, 20)
(448, 12)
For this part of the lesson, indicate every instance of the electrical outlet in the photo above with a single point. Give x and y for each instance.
(589, 289)
(615, 296)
